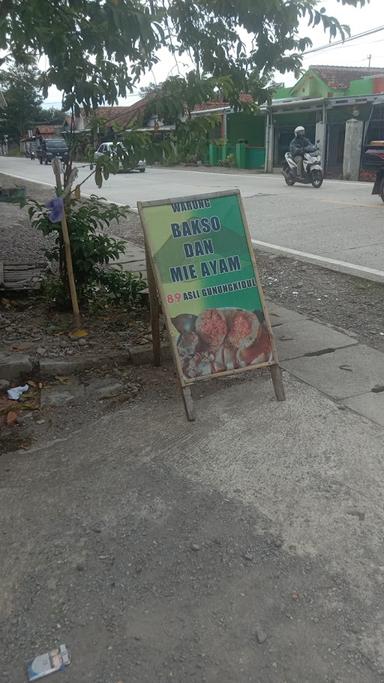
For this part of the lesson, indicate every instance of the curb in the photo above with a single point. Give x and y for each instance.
(15, 366)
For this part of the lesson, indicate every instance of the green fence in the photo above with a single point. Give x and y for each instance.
(254, 157)
(245, 156)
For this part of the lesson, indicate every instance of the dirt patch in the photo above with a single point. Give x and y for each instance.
(28, 326)
(55, 408)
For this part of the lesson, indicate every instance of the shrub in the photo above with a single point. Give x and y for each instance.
(91, 249)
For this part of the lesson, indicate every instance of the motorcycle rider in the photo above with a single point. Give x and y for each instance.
(299, 145)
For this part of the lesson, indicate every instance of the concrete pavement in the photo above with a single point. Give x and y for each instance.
(339, 226)
(245, 547)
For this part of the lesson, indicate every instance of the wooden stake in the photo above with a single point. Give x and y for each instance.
(154, 308)
(277, 381)
(68, 253)
(71, 277)
(188, 403)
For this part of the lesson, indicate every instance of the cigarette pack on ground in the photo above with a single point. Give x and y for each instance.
(48, 663)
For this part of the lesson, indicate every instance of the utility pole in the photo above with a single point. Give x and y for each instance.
(369, 61)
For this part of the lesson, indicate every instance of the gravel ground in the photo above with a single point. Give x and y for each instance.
(350, 303)
(19, 242)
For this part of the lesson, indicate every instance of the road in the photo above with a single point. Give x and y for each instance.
(340, 225)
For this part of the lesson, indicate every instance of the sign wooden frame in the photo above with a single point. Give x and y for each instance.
(157, 296)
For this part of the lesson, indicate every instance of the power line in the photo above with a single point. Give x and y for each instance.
(347, 40)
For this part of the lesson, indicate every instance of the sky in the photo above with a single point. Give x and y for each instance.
(355, 53)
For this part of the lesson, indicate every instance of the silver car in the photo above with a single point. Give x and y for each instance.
(108, 148)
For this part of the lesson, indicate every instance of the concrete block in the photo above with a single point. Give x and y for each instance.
(54, 398)
(49, 367)
(61, 366)
(14, 365)
(342, 374)
(369, 405)
(105, 388)
(297, 338)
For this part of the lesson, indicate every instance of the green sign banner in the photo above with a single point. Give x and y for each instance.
(205, 271)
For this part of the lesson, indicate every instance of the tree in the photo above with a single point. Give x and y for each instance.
(21, 89)
(98, 50)
(177, 96)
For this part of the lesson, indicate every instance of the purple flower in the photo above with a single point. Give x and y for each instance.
(56, 209)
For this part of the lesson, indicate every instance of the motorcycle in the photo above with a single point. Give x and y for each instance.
(373, 160)
(312, 170)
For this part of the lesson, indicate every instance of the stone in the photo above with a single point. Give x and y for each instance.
(14, 365)
(324, 373)
(25, 417)
(195, 547)
(356, 513)
(82, 342)
(54, 398)
(248, 557)
(105, 388)
(4, 384)
(261, 636)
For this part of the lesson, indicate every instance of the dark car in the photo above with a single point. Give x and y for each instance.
(48, 148)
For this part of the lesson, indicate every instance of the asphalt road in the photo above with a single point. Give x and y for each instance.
(340, 225)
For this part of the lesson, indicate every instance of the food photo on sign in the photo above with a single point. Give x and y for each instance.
(221, 339)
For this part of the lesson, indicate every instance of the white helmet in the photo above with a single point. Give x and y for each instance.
(300, 130)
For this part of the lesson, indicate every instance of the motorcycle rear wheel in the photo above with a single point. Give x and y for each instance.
(317, 179)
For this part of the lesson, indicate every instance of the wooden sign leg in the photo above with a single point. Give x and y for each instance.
(188, 403)
(154, 308)
(277, 380)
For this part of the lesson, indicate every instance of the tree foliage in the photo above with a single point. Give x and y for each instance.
(22, 94)
(98, 50)
(175, 98)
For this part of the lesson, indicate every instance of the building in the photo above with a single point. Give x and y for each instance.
(113, 118)
(324, 100)
(239, 136)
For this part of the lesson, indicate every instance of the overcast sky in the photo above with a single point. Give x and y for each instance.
(355, 53)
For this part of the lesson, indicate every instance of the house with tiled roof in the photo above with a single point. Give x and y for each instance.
(323, 100)
(115, 118)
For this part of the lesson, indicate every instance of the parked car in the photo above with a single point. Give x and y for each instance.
(49, 148)
(109, 148)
